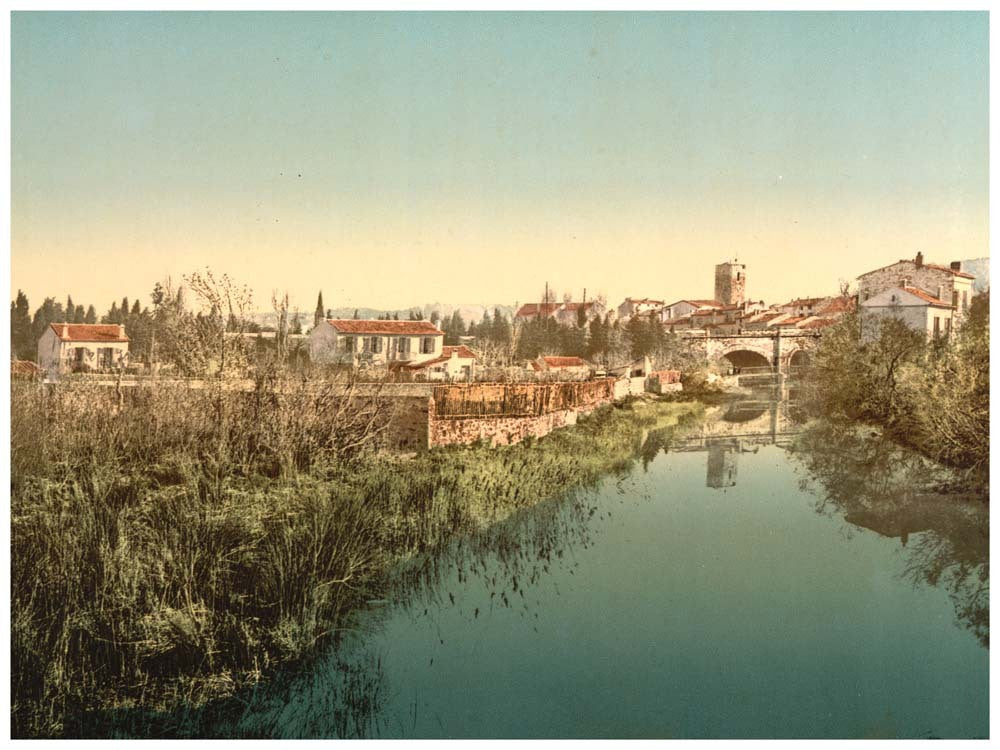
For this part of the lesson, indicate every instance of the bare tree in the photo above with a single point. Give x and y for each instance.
(225, 306)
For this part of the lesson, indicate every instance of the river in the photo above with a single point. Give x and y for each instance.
(752, 578)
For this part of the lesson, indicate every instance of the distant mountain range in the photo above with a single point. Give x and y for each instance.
(471, 313)
(980, 268)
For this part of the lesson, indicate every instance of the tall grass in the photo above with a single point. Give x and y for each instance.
(171, 545)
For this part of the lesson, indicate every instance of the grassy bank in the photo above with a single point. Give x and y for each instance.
(173, 546)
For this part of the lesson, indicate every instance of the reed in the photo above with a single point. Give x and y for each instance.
(172, 545)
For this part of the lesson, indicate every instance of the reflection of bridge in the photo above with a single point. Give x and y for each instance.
(764, 351)
(742, 428)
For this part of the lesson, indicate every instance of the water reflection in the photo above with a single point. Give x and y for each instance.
(877, 485)
(741, 427)
(501, 594)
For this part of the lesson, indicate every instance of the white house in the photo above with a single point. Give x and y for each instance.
(636, 306)
(71, 347)
(569, 368)
(917, 308)
(455, 363)
(375, 342)
(949, 284)
(683, 308)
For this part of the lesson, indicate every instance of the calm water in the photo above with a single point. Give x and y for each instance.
(742, 582)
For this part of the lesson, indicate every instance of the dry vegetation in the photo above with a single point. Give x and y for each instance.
(171, 544)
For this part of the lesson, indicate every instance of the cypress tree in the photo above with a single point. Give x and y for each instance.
(318, 315)
(22, 343)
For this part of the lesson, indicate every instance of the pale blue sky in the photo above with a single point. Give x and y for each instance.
(394, 159)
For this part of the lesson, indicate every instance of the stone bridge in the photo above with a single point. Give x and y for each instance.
(755, 351)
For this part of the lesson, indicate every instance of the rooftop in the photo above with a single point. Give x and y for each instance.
(386, 327)
(89, 332)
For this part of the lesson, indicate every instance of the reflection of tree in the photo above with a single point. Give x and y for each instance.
(876, 484)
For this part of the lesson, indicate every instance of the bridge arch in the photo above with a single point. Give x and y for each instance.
(799, 358)
(738, 360)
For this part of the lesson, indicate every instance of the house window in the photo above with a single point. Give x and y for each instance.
(965, 300)
(937, 326)
(404, 345)
(348, 343)
(376, 345)
(427, 345)
(947, 326)
(904, 281)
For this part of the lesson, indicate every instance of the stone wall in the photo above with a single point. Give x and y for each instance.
(408, 427)
(499, 430)
(503, 414)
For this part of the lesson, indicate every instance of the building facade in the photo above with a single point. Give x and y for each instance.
(82, 347)
(456, 363)
(948, 284)
(914, 307)
(375, 342)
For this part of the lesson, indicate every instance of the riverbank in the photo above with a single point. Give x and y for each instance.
(149, 571)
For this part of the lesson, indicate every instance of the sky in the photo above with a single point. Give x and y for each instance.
(397, 159)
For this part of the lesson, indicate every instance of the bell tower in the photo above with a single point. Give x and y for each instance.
(730, 282)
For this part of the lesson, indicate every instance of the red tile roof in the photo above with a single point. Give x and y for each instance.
(804, 302)
(792, 321)
(820, 323)
(838, 305)
(574, 306)
(702, 302)
(387, 327)
(89, 332)
(463, 352)
(952, 271)
(912, 262)
(926, 297)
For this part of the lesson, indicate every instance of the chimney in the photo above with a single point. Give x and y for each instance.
(956, 265)
(121, 330)
(919, 260)
(65, 331)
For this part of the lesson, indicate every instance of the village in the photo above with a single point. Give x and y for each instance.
(928, 297)
(446, 387)
(506, 375)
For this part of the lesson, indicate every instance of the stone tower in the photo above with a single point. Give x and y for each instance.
(722, 458)
(730, 282)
